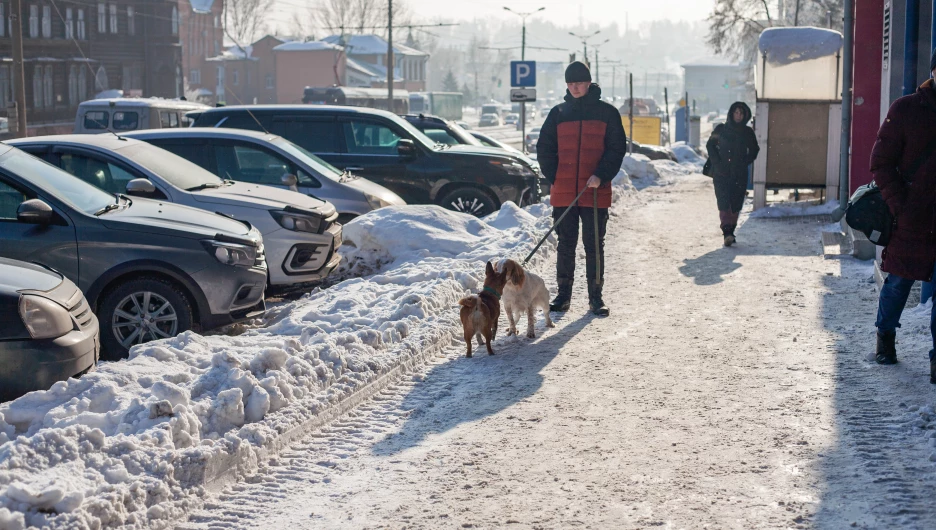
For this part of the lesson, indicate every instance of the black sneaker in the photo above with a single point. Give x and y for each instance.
(598, 308)
(561, 303)
(886, 347)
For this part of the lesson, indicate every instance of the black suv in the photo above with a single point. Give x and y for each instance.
(388, 150)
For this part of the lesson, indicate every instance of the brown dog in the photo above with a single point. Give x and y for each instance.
(479, 313)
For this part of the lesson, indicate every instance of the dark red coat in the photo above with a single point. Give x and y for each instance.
(580, 138)
(909, 127)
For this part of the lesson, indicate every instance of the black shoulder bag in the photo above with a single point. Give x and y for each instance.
(867, 212)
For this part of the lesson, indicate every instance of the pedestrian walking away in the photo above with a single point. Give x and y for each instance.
(732, 148)
(905, 145)
(581, 145)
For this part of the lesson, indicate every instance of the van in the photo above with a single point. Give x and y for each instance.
(130, 114)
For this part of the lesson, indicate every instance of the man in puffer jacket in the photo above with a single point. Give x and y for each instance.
(732, 148)
(581, 145)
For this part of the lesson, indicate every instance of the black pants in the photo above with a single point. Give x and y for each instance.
(730, 191)
(568, 232)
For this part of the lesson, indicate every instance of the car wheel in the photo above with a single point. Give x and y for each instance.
(469, 200)
(141, 310)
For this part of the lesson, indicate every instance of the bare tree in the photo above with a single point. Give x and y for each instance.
(734, 26)
(244, 19)
(357, 16)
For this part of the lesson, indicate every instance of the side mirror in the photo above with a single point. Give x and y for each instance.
(406, 147)
(140, 187)
(291, 181)
(34, 211)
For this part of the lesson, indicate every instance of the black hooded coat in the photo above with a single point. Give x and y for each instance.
(732, 148)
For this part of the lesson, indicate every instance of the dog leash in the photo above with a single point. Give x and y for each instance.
(561, 217)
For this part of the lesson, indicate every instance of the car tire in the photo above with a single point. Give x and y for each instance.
(168, 314)
(469, 200)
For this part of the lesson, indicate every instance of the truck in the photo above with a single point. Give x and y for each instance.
(447, 105)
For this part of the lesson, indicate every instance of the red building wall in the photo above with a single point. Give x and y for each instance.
(866, 103)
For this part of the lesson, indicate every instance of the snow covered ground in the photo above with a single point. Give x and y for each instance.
(139, 443)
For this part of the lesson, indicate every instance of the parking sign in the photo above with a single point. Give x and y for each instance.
(522, 73)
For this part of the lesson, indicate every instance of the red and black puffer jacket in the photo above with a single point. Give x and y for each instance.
(580, 138)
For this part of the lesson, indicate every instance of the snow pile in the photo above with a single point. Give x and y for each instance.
(791, 45)
(685, 154)
(638, 167)
(796, 210)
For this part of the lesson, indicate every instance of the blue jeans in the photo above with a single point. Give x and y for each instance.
(891, 304)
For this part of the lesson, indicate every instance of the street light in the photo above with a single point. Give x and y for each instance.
(584, 39)
(596, 46)
(523, 16)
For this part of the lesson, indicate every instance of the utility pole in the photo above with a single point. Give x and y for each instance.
(584, 39)
(669, 137)
(630, 113)
(523, 17)
(390, 55)
(597, 73)
(19, 74)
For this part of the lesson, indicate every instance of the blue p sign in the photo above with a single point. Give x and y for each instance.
(522, 73)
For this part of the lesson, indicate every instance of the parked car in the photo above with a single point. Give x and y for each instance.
(150, 269)
(463, 124)
(441, 130)
(386, 149)
(512, 119)
(301, 234)
(130, 114)
(48, 332)
(491, 142)
(531, 139)
(490, 120)
(261, 158)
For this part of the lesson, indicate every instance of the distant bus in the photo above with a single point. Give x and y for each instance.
(447, 105)
(373, 98)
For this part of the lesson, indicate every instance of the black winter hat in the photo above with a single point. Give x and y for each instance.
(932, 62)
(577, 72)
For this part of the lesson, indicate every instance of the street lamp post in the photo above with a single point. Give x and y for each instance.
(523, 17)
(596, 46)
(584, 39)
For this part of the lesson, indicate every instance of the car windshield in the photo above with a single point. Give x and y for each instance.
(52, 180)
(315, 163)
(441, 136)
(414, 132)
(172, 168)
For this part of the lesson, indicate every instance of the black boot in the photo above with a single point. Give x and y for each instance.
(595, 303)
(886, 347)
(563, 299)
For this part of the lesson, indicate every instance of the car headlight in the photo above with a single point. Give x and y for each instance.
(232, 254)
(376, 202)
(43, 318)
(514, 169)
(297, 222)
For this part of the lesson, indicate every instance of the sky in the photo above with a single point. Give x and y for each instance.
(567, 13)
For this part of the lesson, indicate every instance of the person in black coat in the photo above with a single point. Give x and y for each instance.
(731, 149)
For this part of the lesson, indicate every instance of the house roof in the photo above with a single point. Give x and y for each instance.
(371, 45)
(310, 46)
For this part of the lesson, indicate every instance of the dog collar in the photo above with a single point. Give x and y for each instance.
(492, 291)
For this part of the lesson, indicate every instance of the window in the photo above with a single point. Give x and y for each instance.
(440, 135)
(47, 22)
(235, 77)
(168, 120)
(82, 83)
(270, 83)
(96, 120)
(2, 18)
(82, 34)
(249, 164)
(131, 21)
(194, 151)
(217, 21)
(217, 47)
(73, 85)
(6, 91)
(175, 20)
(98, 173)
(367, 138)
(69, 23)
(33, 21)
(195, 77)
(126, 121)
(101, 18)
(47, 87)
(113, 18)
(37, 87)
(314, 136)
(10, 199)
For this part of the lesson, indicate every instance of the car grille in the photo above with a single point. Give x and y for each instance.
(80, 310)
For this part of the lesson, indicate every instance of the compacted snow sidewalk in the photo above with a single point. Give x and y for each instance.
(139, 443)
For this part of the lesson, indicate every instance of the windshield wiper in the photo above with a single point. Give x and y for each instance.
(204, 186)
(108, 208)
